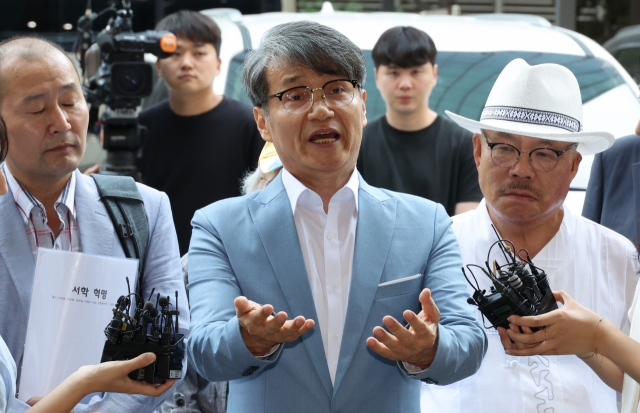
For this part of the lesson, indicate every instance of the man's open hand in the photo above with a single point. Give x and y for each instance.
(261, 330)
(416, 345)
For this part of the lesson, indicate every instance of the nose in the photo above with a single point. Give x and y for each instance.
(319, 109)
(59, 121)
(405, 82)
(523, 167)
(186, 61)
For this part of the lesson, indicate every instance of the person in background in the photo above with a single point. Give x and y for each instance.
(410, 148)
(107, 377)
(528, 146)
(612, 199)
(613, 192)
(50, 204)
(269, 166)
(198, 145)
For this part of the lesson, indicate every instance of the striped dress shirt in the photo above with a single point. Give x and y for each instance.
(35, 216)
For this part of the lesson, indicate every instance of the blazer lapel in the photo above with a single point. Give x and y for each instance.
(96, 228)
(376, 221)
(636, 198)
(273, 218)
(15, 249)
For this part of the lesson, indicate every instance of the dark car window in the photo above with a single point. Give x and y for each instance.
(465, 79)
(628, 58)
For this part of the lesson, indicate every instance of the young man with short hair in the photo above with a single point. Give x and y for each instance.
(411, 149)
(198, 144)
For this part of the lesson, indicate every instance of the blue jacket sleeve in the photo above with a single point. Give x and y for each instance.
(462, 342)
(215, 347)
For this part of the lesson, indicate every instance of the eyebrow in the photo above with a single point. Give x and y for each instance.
(195, 44)
(290, 79)
(31, 98)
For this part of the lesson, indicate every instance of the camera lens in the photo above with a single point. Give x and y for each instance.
(131, 79)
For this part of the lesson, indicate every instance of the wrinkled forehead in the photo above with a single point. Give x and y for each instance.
(285, 72)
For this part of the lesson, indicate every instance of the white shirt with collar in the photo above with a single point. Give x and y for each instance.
(327, 241)
(598, 268)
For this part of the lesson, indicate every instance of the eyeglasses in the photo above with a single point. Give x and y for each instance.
(299, 99)
(541, 159)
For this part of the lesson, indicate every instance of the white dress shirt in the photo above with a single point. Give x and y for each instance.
(598, 268)
(327, 241)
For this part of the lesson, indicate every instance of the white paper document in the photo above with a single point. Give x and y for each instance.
(73, 294)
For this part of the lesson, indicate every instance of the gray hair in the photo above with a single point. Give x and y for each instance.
(318, 47)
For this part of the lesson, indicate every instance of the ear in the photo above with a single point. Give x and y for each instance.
(477, 148)
(158, 68)
(218, 66)
(3, 183)
(262, 123)
(435, 74)
(575, 163)
(363, 96)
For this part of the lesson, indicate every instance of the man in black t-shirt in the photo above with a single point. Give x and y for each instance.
(411, 149)
(198, 144)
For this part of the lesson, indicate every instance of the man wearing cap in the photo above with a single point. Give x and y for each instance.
(527, 148)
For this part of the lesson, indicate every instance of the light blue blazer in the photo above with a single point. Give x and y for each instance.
(249, 246)
(97, 236)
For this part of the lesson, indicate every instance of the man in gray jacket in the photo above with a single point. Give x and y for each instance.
(51, 205)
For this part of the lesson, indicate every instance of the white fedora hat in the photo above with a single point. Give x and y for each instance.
(541, 101)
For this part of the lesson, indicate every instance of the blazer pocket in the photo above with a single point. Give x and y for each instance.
(399, 286)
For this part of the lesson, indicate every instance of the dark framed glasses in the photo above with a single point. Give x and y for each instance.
(299, 99)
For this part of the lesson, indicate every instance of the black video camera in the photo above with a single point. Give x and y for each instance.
(148, 330)
(515, 289)
(117, 75)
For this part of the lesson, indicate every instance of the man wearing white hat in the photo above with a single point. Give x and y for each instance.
(528, 145)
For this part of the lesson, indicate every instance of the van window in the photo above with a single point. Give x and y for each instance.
(465, 79)
(628, 58)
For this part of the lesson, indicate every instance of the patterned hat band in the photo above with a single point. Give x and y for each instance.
(537, 117)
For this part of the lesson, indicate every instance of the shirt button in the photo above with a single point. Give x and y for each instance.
(334, 286)
(56, 246)
(512, 363)
(334, 337)
(330, 235)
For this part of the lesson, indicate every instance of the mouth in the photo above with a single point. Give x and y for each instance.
(61, 147)
(520, 194)
(324, 137)
(186, 77)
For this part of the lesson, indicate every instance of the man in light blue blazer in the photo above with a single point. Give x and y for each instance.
(51, 204)
(321, 293)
